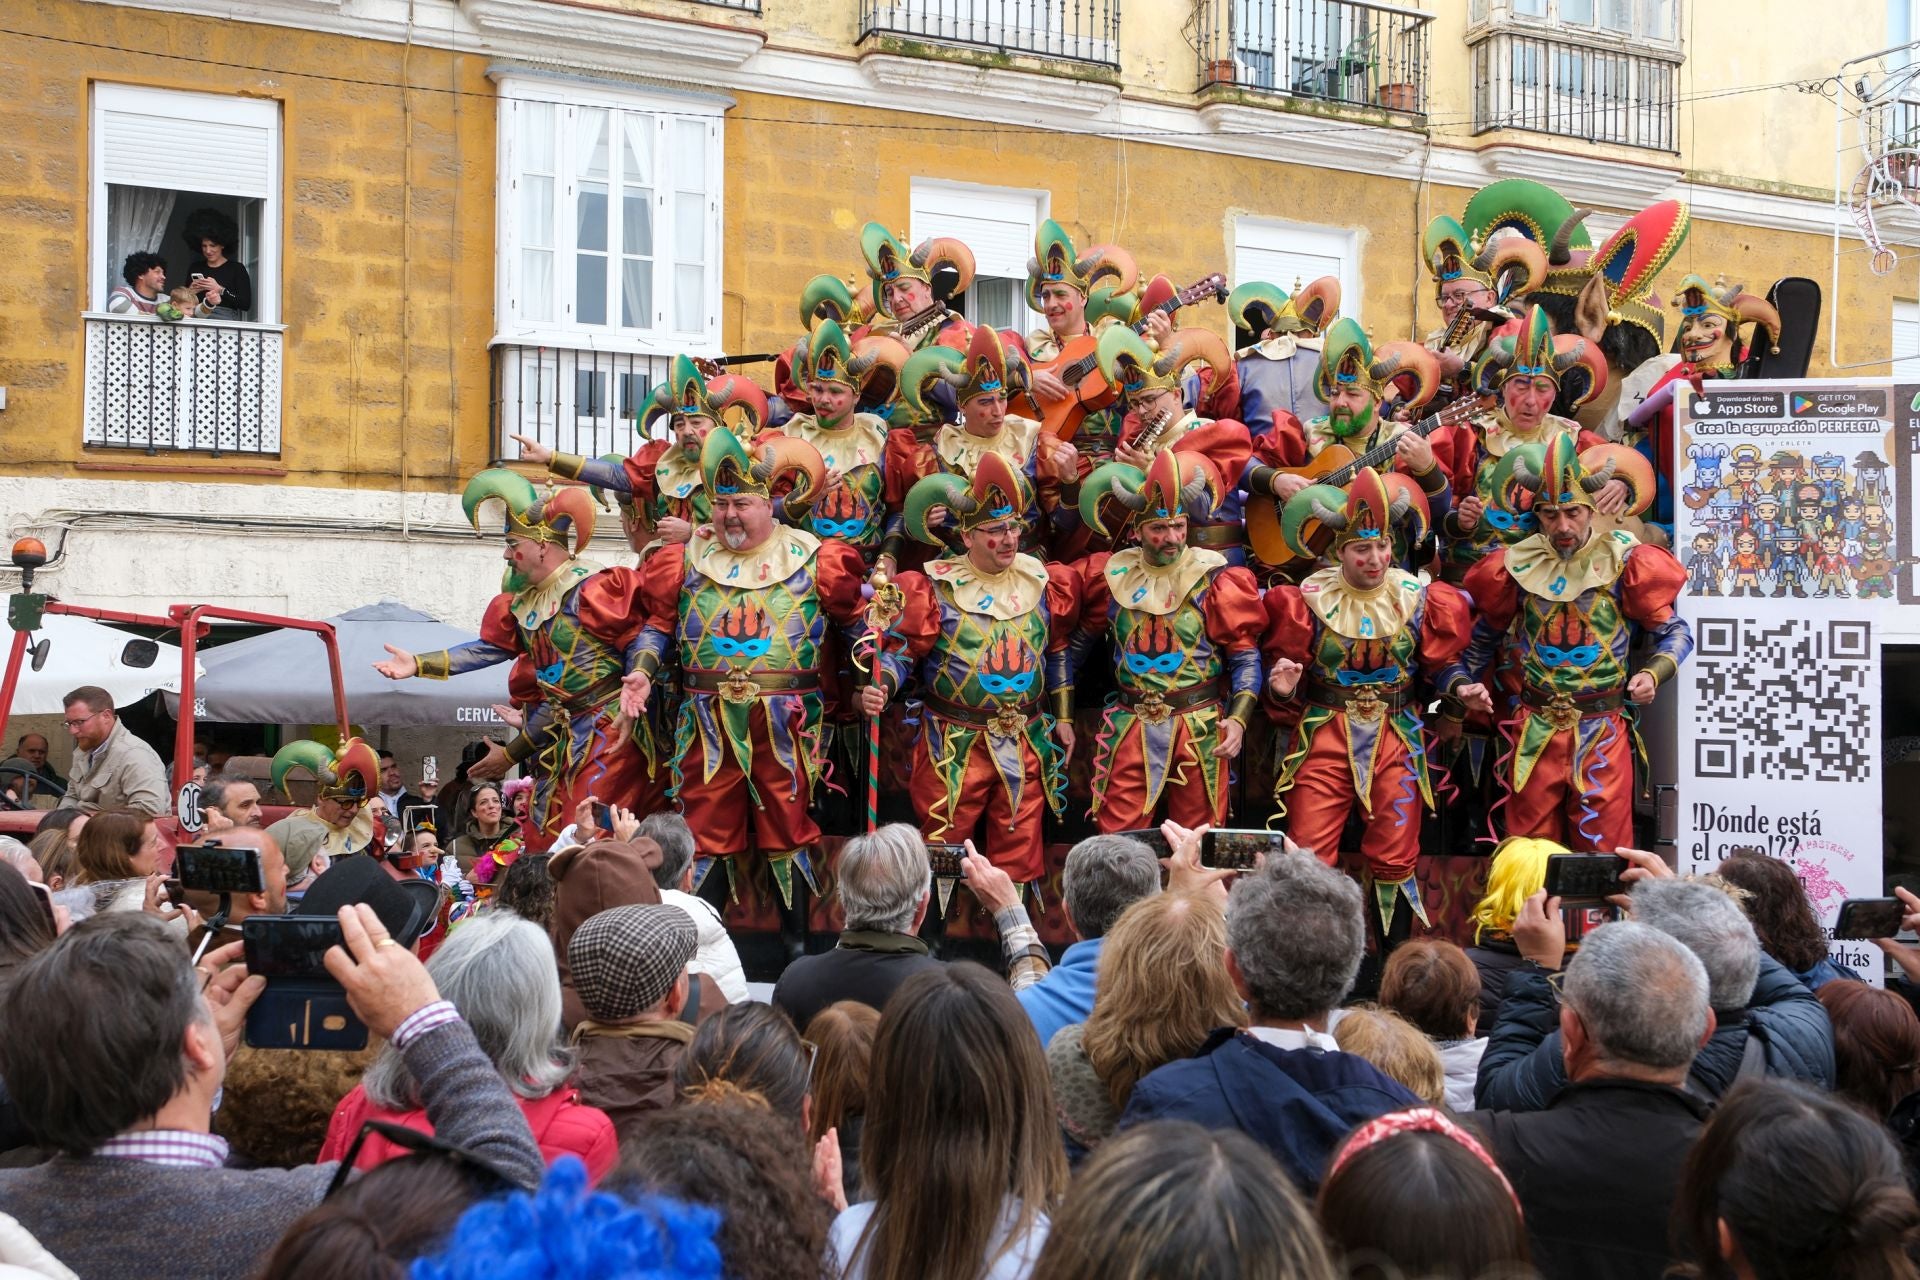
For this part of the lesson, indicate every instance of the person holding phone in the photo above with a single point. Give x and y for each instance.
(1344, 651)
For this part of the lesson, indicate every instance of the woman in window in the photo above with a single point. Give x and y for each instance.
(213, 238)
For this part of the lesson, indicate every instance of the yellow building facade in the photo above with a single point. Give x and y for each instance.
(468, 219)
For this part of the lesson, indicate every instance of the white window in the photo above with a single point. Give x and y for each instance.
(165, 161)
(1646, 19)
(1290, 254)
(1906, 338)
(609, 217)
(998, 224)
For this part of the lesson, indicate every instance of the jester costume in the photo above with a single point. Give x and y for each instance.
(746, 627)
(578, 630)
(663, 476)
(349, 774)
(1138, 370)
(1277, 374)
(1359, 737)
(852, 447)
(1186, 641)
(991, 653)
(1106, 278)
(1448, 252)
(887, 259)
(1555, 632)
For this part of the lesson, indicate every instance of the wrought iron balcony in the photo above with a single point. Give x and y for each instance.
(1573, 90)
(1075, 30)
(584, 402)
(207, 386)
(1347, 51)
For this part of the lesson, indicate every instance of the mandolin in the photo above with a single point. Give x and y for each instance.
(1087, 389)
(1336, 465)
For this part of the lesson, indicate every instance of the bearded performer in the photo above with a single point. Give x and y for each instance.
(907, 302)
(1150, 384)
(663, 475)
(1186, 633)
(1527, 370)
(745, 613)
(852, 445)
(577, 624)
(988, 630)
(1344, 651)
(1557, 615)
(344, 780)
(1059, 282)
(1278, 374)
(980, 380)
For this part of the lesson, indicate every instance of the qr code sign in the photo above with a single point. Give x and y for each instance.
(1787, 701)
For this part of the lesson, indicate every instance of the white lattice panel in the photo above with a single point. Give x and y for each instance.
(209, 388)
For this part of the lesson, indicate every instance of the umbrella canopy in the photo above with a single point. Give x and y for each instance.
(281, 677)
(82, 651)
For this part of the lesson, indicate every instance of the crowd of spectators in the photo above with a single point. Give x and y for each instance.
(579, 1080)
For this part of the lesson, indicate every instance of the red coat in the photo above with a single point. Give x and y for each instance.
(562, 1125)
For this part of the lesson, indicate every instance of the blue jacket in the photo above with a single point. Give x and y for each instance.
(1065, 995)
(1523, 1067)
(1297, 1103)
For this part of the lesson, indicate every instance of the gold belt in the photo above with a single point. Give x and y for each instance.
(1364, 702)
(745, 686)
(1565, 710)
(1156, 707)
(1001, 722)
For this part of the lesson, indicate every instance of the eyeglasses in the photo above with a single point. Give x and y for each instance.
(419, 1144)
(73, 726)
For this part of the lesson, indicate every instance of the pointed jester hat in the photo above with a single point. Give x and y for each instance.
(1176, 483)
(997, 490)
(1731, 303)
(1349, 359)
(687, 391)
(1258, 307)
(1532, 209)
(1321, 517)
(1129, 363)
(1574, 364)
(351, 772)
(888, 260)
(1558, 474)
(828, 297)
(1448, 250)
(528, 513)
(986, 367)
(778, 464)
(1621, 272)
(871, 365)
(1054, 261)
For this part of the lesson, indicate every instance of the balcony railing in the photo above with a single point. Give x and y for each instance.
(1575, 91)
(1077, 30)
(584, 402)
(207, 386)
(1346, 51)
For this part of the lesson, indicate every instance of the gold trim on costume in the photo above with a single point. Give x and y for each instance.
(961, 450)
(536, 605)
(860, 442)
(1497, 435)
(1166, 586)
(1005, 596)
(1378, 614)
(1540, 571)
(677, 474)
(782, 555)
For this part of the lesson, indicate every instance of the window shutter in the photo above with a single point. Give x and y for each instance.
(187, 142)
(998, 226)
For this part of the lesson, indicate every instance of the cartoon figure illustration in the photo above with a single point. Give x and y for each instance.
(1746, 470)
(1703, 566)
(1725, 514)
(1829, 471)
(1790, 567)
(1852, 518)
(1871, 474)
(1745, 565)
(1875, 571)
(1808, 516)
(1830, 567)
(1769, 530)
(1785, 469)
(1706, 459)
(1873, 519)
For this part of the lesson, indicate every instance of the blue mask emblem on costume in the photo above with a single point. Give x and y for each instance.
(728, 647)
(1581, 655)
(550, 674)
(1506, 521)
(1379, 675)
(1001, 686)
(839, 528)
(1165, 664)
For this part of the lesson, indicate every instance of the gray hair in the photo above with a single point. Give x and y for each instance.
(22, 859)
(499, 972)
(675, 838)
(883, 876)
(1710, 924)
(1297, 932)
(1641, 995)
(1104, 876)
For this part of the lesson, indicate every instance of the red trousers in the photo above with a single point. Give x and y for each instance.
(1322, 797)
(718, 809)
(1012, 838)
(1593, 812)
(1184, 798)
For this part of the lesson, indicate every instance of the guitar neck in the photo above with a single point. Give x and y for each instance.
(1085, 364)
(1384, 452)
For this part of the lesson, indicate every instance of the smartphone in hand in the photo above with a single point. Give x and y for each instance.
(1585, 876)
(1864, 918)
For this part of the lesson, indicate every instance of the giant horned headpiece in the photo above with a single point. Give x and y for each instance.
(1176, 483)
(1054, 261)
(352, 772)
(1558, 474)
(1349, 358)
(986, 367)
(871, 365)
(1732, 304)
(687, 391)
(1129, 363)
(828, 297)
(1624, 268)
(1574, 364)
(1321, 517)
(997, 490)
(887, 260)
(1258, 307)
(778, 463)
(525, 511)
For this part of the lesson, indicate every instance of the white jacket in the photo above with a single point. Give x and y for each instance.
(716, 956)
(1461, 1058)
(24, 1258)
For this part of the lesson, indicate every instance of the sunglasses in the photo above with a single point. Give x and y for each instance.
(417, 1143)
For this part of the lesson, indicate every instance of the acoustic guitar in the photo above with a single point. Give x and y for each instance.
(1079, 367)
(1336, 465)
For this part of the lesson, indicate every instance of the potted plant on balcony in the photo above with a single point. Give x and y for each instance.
(1221, 71)
(1401, 95)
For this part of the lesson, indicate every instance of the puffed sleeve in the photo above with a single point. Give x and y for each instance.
(1223, 442)
(609, 605)
(1650, 582)
(1284, 444)
(499, 640)
(1495, 598)
(1446, 628)
(905, 460)
(1289, 635)
(1236, 619)
(496, 625)
(1219, 397)
(839, 573)
(913, 634)
(662, 575)
(1063, 604)
(1456, 447)
(642, 479)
